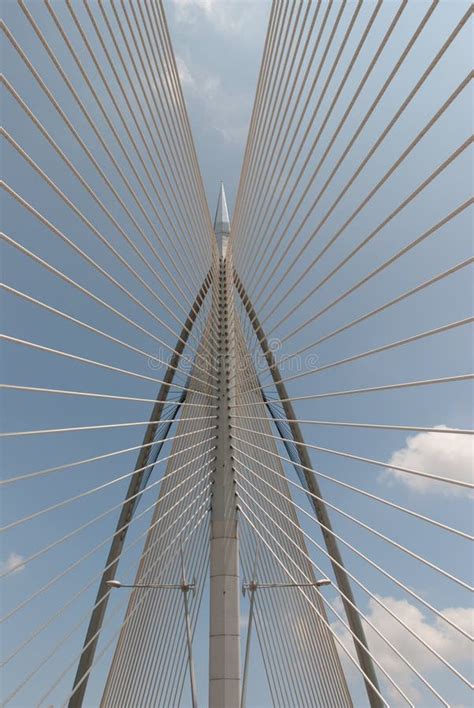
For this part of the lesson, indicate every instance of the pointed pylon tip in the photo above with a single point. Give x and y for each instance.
(221, 221)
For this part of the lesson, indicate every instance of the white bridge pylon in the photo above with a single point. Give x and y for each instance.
(192, 472)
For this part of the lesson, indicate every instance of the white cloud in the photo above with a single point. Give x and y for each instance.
(227, 17)
(13, 564)
(184, 73)
(212, 38)
(226, 111)
(443, 454)
(434, 631)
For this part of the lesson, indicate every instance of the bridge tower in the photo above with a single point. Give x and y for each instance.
(224, 639)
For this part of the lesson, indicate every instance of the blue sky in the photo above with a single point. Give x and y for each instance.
(218, 47)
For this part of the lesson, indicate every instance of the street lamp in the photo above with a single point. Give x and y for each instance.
(252, 586)
(174, 586)
(185, 587)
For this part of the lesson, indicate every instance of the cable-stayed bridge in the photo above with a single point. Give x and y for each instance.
(238, 452)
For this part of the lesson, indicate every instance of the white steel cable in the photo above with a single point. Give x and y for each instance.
(88, 152)
(369, 389)
(259, 92)
(322, 93)
(177, 98)
(352, 102)
(125, 63)
(371, 313)
(364, 280)
(325, 650)
(305, 663)
(333, 102)
(98, 657)
(199, 203)
(264, 122)
(376, 350)
(93, 394)
(268, 136)
(426, 234)
(127, 638)
(155, 517)
(334, 634)
(397, 582)
(89, 523)
(90, 260)
(169, 652)
(25, 602)
(183, 658)
(87, 187)
(137, 649)
(106, 242)
(268, 645)
(280, 456)
(259, 101)
(387, 502)
(92, 639)
(77, 626)
(74, 597)
(297, 658)
(379, 184)
(374, 233)
(291, 119)
(37, 259)
(153, 618)
(362, 615)
(208, 234)
(102, 486)
(167, 656)
(106, 426)
(184, 180)
(374, 597)
(178, 658)
(84, 111)
(149, 356)
(100, 364)
(441, 167)
(352, 424)
(379, 463)
(72, 631)
(48, 93)
(286, 607)
(159, 35)
(396, 545)
(392, 122)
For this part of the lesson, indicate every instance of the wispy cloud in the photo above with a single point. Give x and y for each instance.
(437, 633)
(13, 564)
(184, 74)
(227, 17)
(445, 455)
(225, 111)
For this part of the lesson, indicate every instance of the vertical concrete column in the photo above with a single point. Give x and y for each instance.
(224, 641)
